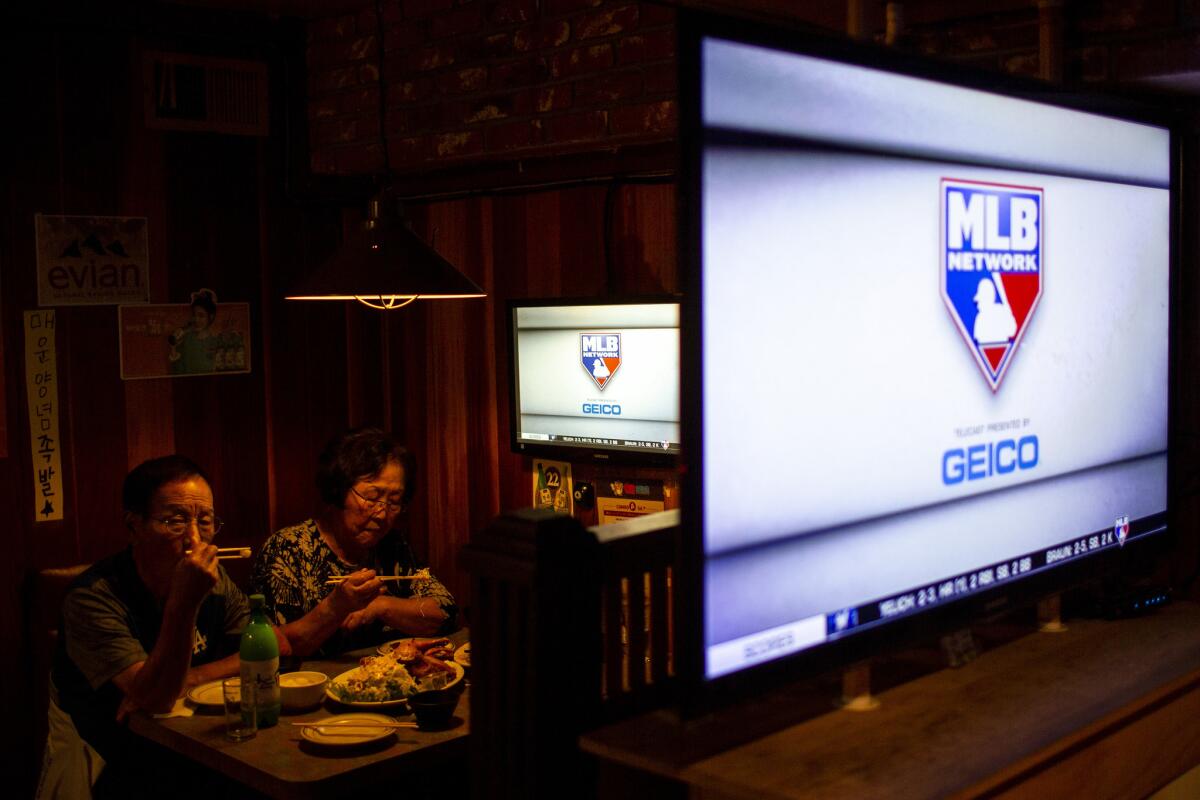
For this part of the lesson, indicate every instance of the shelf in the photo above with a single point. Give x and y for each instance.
(1105, 709)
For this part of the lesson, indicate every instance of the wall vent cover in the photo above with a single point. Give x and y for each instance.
(199, 93)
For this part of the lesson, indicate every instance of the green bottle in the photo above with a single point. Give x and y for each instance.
(259, 653)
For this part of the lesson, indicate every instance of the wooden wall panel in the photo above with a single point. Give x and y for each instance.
(92, 423)
(541, 268)
(643, 237)
(28, 185)
(309, 401)
(143, 193)
(484, 428)
(440, 424)
(512, 222)
(583, 250)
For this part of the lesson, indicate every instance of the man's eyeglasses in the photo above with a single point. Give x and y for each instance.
(178, 524)
(391, 506)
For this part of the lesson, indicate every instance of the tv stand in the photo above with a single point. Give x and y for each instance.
(1105, 709)
(856, 688)
(1050, 615)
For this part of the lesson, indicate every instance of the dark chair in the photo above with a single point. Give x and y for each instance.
(44, 595)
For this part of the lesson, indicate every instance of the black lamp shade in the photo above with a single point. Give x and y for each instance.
(385, 262)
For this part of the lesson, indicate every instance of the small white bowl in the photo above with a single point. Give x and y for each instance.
(300, 690)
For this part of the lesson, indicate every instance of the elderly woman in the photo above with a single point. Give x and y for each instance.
(322, 572)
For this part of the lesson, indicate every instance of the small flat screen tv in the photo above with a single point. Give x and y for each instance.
(595, 380)
(926, 346)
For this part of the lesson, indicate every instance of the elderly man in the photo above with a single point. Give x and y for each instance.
(142, 626)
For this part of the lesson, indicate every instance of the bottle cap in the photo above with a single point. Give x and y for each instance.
(257, 601)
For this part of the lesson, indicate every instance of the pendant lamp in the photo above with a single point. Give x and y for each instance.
(385, 265)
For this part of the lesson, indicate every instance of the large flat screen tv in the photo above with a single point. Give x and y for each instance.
(595, 380)
(926, 346)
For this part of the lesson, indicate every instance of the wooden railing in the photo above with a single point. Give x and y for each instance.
(570, 628)
(637, 619)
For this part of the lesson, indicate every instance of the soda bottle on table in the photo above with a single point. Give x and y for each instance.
(259, 654)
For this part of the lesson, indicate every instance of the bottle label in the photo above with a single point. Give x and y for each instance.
(264, 675)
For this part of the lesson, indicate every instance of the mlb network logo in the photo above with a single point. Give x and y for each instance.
(991, 266)
(600, 355)
(1121, 529)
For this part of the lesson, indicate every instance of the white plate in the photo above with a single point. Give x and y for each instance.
(387, 647)
(459, 672)
(463, 655)
(340, 679)
(341, 730)
(207, 694)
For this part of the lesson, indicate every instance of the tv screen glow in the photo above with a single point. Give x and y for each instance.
(935, 344)
(598, 378)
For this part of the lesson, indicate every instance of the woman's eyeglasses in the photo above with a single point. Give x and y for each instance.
(391, 506)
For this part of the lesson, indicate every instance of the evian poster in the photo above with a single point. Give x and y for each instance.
(89, 261)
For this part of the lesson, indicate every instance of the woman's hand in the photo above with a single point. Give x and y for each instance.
(368, 614)
(415, 616)
(356, 592)
(429, 616)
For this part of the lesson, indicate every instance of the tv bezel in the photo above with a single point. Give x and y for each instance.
(578, 453)
(697, 694)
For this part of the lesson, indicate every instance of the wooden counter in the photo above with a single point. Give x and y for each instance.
(1103, 710)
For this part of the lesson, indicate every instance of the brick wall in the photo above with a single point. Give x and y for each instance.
(1106, 44)
(486, 80)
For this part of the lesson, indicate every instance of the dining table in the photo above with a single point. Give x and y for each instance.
(279, 762)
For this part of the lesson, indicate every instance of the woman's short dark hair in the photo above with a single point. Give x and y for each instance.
(356, 454)
(206, 300)
(144, 480)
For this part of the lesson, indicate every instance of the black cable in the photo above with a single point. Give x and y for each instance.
(381, 35)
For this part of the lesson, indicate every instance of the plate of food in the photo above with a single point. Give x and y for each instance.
(463, 655)
(387, 680)
(349, 729)
(207, 694)
(408, 649)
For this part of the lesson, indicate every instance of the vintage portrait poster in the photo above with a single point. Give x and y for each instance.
(553, 486)
(618, 500)
(91, 261)
(201, 338)
(41, 390)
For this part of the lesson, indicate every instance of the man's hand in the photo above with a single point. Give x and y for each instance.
(196, 573)
(126, 708)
